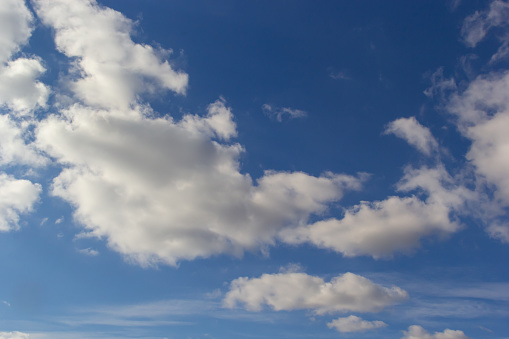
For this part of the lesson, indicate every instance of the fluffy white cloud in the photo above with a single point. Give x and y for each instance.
(414, 133)
(13, 149)
(19, 89)
(14, 335)
(16, 197)
(280, 113)
(354, 324)
(417, 332)
(112, 70)
(293, 291)
(483, 117)
(161, 191)
(395, 224)
(15, 27)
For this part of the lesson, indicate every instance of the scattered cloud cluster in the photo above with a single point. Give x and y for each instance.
(476, 27)
(289, 290)
(417, 332)
(160, 190)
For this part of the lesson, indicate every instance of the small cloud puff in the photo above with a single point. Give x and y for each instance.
(354, 324)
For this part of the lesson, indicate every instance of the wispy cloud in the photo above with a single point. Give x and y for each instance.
(339, 76)
(279, 113)
(88, 251)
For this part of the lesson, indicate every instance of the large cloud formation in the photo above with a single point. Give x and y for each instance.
(159, 190)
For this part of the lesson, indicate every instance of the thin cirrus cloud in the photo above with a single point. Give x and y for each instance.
(295, 290)
(280, 113)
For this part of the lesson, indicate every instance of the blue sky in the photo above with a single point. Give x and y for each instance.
(254, 169)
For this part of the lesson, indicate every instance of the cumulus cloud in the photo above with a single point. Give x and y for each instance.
(15, 27)
(20, 90)
(280, 113)
(294, 291)
(161, 191)
(483, 116)
(417, 332)
(354, 324)
(13, 149)
(16, 197)
(14, 335)
(395, 224)
(414, 133)
(112, 70)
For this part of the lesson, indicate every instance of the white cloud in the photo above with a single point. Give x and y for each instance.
(16, 197)
(294, 291)
(15, 27)
(89, 251)
(20, 90)
(112, 69)
(476, 26)
(14, 335)
(440, 86)
(354, 324)
(483, 117)
(395, 224)
(280, 113)
(417, 332)
(162, 191)
(13, 149)
(414, 133)
(339, 76)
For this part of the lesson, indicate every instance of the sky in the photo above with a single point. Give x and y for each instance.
(254, 169)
